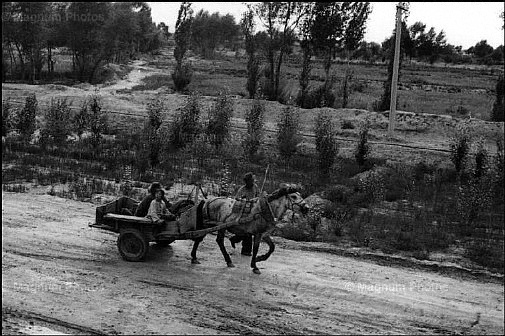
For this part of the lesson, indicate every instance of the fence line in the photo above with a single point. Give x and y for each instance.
(304, 134)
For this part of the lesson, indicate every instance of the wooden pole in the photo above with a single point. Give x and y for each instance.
(394, 81)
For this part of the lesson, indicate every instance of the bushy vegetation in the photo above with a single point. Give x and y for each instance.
(186, 126)
(363, 148)
(219, 120)
(97, 123)
(326, 144)
(288, 128)
(113, 32)
(498, 112)
(26, 123)
(212, 30)
(58, 122)
(460, 147)
(8, 116)
(255, 122)
(152, 135)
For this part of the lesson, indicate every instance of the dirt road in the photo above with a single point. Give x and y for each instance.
(60, 276)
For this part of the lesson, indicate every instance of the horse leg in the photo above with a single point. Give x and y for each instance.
(271, 248)
(256, 245)
(220, 242)
(197, 242)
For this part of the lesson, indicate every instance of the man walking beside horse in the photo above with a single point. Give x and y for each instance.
(248, 191)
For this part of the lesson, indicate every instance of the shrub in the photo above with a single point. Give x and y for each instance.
(58, 121)
(288, 128)
(481, 160)
(151, 133)
(81, 120)
(399, 180)
(460, 147)
(499, 171)
(186, 125)
(218, 126)
(338, 194)
(324, 96)
(255, 121)
(421, 169)
(7, 117)
(153, 82)
(26, 118)
(182, 76)
(498, 112)
(155, 110)
(486, 253)
(326, 144)
(473, 198)
(363, 149)
(98, 123)
(347, 124)
(370, 190)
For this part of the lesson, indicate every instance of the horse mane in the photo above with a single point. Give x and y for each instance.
(278, 193)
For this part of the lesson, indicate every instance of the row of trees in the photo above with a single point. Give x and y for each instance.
(57, 122)
(427, 45)
(92, 32)
(323, 28)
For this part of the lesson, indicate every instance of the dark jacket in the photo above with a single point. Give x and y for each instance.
(143, 207)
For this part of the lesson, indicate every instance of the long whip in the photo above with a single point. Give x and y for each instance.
(264, 179)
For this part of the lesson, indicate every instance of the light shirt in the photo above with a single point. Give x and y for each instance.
(247, 193)
(156, 209)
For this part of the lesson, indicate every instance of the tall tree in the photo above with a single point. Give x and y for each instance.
(210, 31)
(24, 30)
(338, 26)
(280, 19)
(253, 63)
(182, 74)
(307, 47)
(85, 21)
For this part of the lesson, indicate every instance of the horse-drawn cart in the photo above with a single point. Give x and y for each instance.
(135, 233)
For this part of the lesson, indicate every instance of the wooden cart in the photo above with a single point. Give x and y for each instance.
(135, 233)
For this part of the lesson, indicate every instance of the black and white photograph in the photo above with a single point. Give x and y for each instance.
(253, 168)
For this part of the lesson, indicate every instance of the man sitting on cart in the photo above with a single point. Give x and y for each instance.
(143, 207)
(158, 211)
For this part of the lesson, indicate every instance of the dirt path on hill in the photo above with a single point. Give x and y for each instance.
(60, 276)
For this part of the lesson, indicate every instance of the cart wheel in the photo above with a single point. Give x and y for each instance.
(132, 245)
(164, 243)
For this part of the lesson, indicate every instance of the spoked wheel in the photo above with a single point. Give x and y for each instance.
(132, 245)
(164, 243)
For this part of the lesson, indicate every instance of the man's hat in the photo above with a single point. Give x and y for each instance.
(249, 177)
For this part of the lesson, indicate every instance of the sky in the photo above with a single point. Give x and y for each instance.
(464, 23)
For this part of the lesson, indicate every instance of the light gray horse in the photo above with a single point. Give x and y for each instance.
(260, 221)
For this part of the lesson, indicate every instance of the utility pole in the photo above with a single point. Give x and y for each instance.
(394, 81)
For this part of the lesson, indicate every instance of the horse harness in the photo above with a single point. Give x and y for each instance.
(243, 209)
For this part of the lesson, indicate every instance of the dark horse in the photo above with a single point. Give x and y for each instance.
(261, 220)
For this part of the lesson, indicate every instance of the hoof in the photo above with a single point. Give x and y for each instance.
(230, 264)
(195, 261)
(256, 271)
